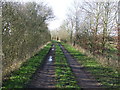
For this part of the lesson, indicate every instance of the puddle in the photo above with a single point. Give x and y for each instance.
(50, 58)
(52, 49)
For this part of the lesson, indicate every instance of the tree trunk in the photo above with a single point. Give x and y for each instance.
(71, 37)
(119, 37)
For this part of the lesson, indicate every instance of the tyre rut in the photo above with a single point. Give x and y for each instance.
(45, 75)
(85, 79)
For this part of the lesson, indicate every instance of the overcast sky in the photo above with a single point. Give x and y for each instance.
(60, 10)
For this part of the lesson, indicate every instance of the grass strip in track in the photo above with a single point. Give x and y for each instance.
(64, 75)
(21, 77)
(105, 75)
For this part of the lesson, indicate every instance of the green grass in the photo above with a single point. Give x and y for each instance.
(21, 77)
(64, 75)
(105, 75)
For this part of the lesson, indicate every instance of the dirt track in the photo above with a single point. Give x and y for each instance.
(84, 78)
(45, 76)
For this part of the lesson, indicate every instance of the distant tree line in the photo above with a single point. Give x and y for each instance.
(24, 31)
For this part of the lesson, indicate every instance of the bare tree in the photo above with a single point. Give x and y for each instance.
(108, 22)
(70, 21)
(0, 44)
(119, 36)
(92, 10)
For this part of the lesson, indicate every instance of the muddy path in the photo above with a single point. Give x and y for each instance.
(45, 75)
(84, 78)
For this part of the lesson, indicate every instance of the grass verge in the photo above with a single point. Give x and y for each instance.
(105, 75)
(21, 77)
(64, 75)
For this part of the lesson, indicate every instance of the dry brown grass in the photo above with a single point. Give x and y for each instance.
(17, 63)
(102, 60)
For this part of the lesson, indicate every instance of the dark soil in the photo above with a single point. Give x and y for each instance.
(45, 75)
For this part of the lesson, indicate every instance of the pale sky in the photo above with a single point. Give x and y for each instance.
(60, 10)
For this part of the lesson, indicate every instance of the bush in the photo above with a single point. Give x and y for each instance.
(24, 32)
